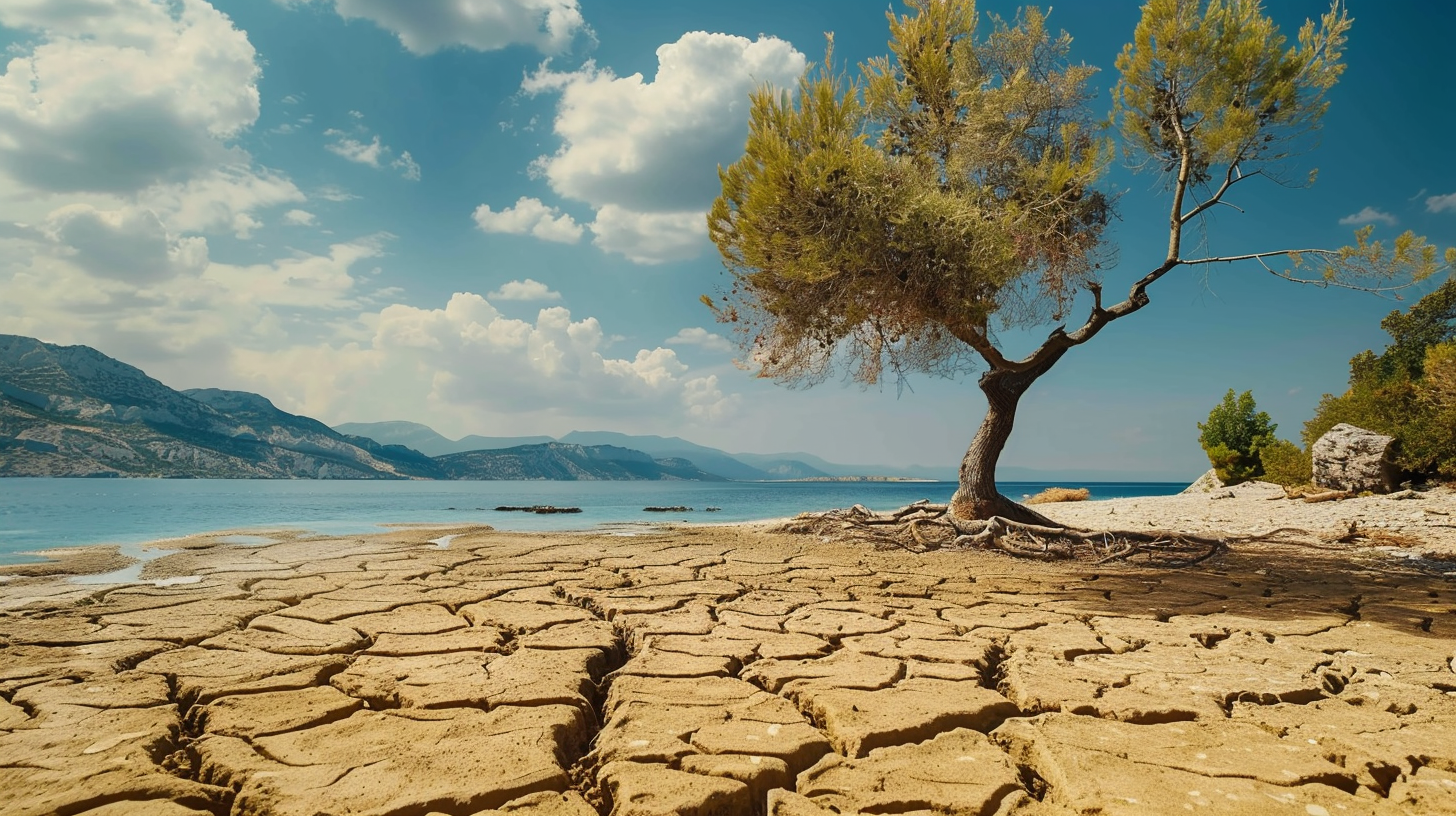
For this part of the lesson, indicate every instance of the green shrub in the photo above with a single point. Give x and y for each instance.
(1417, 410)
(1285, 463)
(1233, 437)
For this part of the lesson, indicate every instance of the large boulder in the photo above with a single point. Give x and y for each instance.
(1354, 459)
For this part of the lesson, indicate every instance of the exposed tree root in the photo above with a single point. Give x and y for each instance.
(923, 526)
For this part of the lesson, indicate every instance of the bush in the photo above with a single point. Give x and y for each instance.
(1285, 463)
(1408, 391)
(1233, 437)
(1060, 494)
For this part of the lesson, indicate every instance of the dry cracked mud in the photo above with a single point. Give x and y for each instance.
(720, 671)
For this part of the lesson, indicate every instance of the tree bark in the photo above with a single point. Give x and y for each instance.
(977, 496)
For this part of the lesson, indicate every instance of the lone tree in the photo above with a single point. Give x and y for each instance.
(894, 222)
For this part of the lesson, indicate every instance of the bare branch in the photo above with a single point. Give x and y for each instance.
(1232, 177)
(1254, 256)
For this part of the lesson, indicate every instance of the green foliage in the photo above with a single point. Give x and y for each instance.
(1219, 87)
(1409, 390)
(1285, 463)
(891, 216)
(1234, 436)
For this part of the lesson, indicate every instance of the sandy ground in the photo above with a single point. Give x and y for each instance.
(732, 670)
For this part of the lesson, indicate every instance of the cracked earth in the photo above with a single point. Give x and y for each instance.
(724, 670)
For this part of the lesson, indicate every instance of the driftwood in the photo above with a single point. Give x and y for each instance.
(923, 526)
(1328, 495)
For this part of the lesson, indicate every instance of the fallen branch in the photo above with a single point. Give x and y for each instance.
(1329, 495)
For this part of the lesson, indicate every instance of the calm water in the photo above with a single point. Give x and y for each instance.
(43, 513)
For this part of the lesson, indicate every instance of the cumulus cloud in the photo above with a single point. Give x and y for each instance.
(698, 336)
(299, 218)
(468, 358)
(524, 290)
(705, 401)
(649, 238)
(426, 26)
(1368, 215)
(133, 104)
(644, 153)
(117, 97)
(1441, 203)
(118, 281)
(128, 245)
(529, 216)
(220, 198)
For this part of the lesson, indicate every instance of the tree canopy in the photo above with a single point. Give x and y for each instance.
(896, 220)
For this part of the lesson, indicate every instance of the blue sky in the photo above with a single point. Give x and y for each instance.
(487, 216)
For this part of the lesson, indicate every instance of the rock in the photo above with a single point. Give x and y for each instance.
(1207, 483)
(1356, 460)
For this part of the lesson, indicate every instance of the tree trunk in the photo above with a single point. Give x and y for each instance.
(977, 496)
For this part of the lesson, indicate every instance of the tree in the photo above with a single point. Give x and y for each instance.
(894, 222)
(1234, 437)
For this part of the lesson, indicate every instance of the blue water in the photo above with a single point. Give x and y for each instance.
(45, 513)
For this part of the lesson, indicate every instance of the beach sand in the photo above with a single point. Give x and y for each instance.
(732, 670)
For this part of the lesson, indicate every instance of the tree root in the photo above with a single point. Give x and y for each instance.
(922, 526)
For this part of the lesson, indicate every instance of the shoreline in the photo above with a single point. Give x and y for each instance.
(1428, 517)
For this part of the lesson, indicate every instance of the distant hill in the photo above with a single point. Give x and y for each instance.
(425, 440)
(555, 460)
(709, 459)
(73, 411)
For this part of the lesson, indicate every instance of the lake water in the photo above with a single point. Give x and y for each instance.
(45, 513)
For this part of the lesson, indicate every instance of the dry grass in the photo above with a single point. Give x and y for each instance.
(1053, 495)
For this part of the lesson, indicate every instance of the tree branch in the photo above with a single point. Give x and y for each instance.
(1230, 179)
(1254, 256)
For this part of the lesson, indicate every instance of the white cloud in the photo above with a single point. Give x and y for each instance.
(1441, 203)
(407, 167)
(649, 238)
(220, 198)
(133, 104)
(698, 336)
(426, 26)
(117, 97)
(706, 402)
(355, 150)
(373, 153)
(116, 281)
(524, 290)
(1369, 215)
(529, 215)
(468, 359)
(299, 218)
(331, 192)
(126, 245)
(644, 153)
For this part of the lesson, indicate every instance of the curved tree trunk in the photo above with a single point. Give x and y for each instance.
(977, 496)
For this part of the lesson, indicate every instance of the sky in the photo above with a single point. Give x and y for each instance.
(488, 216)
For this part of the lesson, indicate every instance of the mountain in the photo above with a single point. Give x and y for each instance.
(73, 411)
(427, 441)
(671, 447)
(555, 460)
